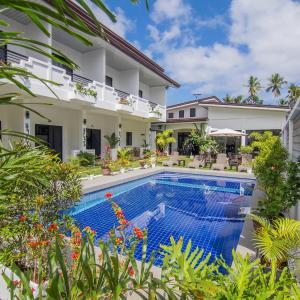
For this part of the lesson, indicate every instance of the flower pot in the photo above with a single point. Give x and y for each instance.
(114, 154)
(122, 170)
(91, 177)
(153, 165)
(106, 172)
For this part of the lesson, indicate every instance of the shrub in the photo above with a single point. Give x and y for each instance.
(86, 159)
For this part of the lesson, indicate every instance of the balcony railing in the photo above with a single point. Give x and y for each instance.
(12, 56)
(80, 79)
(122, 94)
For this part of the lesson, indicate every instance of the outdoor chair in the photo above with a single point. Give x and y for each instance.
(197, 162)
(221, 163)
(246, 163)
(172, 161)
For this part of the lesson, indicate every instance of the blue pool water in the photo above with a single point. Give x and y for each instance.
(204, 209)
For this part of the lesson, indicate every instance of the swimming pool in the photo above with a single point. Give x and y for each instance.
(205, 209)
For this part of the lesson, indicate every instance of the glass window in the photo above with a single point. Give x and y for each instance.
(128, 138)
(181, 114)
(108, 81)
(192, 112)
(170, 115)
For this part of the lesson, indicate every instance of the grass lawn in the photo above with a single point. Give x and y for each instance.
(96, 170)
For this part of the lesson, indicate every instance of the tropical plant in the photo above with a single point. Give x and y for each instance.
(209, 146)
(246, 149)
(124, 156)
(293, 94)
(254, 86)
(164, 138)
(112, 140)
(86, 158)
(277, 239)
(228, 99)
(237, 99)
(275, 84)
(35, 187)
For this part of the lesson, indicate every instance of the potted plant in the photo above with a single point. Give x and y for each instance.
(113, 141)
(106, 167)
(123, 158)
(153, 161)
(142, 163)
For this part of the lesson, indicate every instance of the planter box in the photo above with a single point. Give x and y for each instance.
(114, 154)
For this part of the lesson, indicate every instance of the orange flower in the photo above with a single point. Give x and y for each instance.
(44, 243)
(22, 218)
(131, 271)
(138, 233)
(16, 282)
(53, 227)
(123, 222)
(33, 244)
(119, 240)
(39, 226)
(108, 195)
(77, 234)
(120, 214)
(75, 255)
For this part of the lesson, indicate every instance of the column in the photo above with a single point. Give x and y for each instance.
(119, 130)
(290, 140)
(26, 122)
(243, 139)
(82, 131)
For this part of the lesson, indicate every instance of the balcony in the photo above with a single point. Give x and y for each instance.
(81, 90)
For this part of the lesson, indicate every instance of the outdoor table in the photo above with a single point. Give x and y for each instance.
(181, 161)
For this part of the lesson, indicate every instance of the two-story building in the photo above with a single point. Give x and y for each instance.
(215, 114)
(117, 89)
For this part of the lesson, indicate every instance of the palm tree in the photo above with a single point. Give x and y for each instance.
(293, 94)
(112, 140)
(254, 86)
(276, 239)
(238, 99)
(276, 82)
(228, 99)
(164, 138)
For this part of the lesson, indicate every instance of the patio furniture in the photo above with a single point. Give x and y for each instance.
(246, 163)
(221, 163)
(197, 162)
(208, 160)
(172, 161)
(234, 161)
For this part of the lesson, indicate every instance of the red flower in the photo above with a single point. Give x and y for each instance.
(120, 214)
(22, 218)
(131, 271)
(44, 243)
(33, 244)
(53, 227)
(75, 255)
(138, 232)
(119, 240)
(108, 195)
(77, 234)
(61, 235)
(123, 222)
(16, 282)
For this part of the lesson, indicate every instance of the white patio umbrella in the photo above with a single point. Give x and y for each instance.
(227, 132)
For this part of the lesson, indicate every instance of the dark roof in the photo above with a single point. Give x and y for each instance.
(120, 43)
(183, 120)
(247, 105)
(213, 99)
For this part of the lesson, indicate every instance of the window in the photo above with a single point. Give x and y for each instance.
(128, 138)
(170, 115)
(181, 114)
(140, 93)
(68, 70)
(192, 112)
(108, 81)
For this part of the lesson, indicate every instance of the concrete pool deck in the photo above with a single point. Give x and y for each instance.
(245, 245)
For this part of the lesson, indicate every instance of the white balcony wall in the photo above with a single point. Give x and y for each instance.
(146, 90)
(114, 74)
(93, 65)
(157, 95)
(129, 81)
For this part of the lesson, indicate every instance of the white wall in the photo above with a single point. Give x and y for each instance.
(158, 95)
(201, 112)
(146, 90)
(245, 119)
(114, 74)
(139, 132)
(93, 65)
(129, 81)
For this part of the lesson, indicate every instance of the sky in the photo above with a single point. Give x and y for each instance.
(211, 47)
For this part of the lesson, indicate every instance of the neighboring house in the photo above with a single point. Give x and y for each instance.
(216, 114)
(117, 89)
(291, 140)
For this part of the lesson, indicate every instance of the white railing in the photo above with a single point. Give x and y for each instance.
(104, 96)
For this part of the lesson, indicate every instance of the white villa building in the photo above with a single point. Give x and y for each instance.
(216, 114)
(117, 89)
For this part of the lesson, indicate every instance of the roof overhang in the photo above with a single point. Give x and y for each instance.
(258, 107)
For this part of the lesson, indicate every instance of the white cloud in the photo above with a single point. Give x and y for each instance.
(121, 27)
(269, 31)
(169, 10)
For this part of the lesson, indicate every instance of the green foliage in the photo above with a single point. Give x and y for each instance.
(278, 177)
(275, 84)
(124, 155)
(86, 159)
(246, 149)
(276, 240)
(254, 86)
(164, 138)
(112, 140)
(34, 187)
(80, 88)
